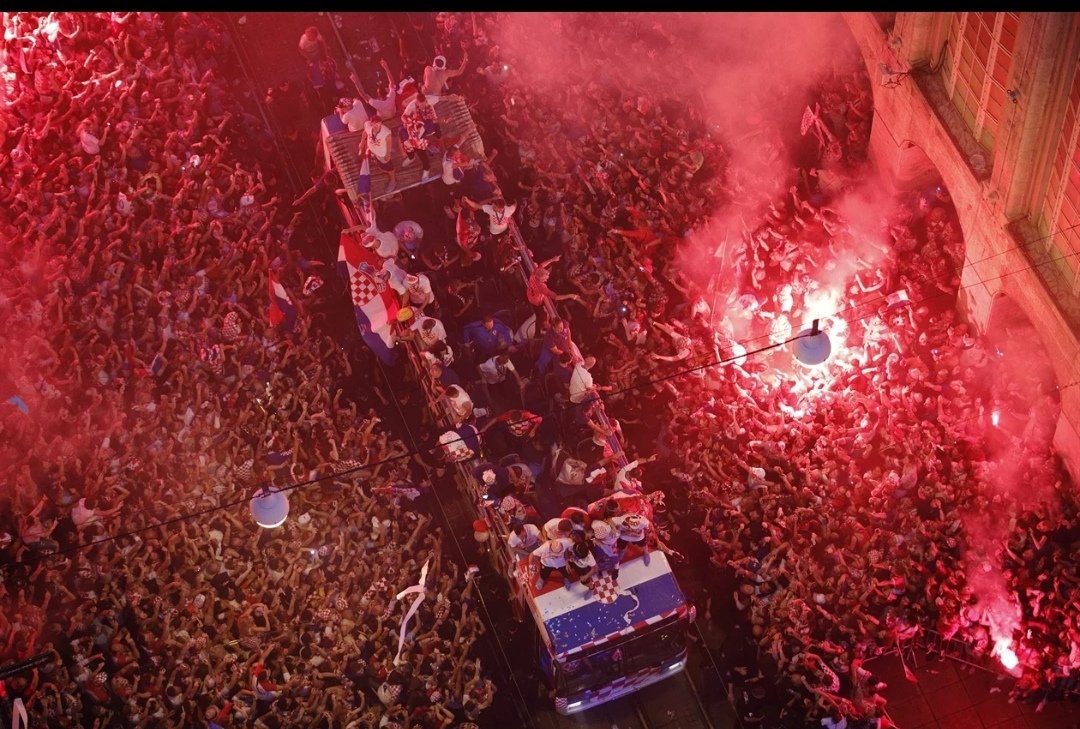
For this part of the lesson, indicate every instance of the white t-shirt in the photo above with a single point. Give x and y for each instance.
(489, 371)
(387, 246)
(356, 117)
(583, 563)
(378, 143)
(548, 558)
(581, 383)
(625, 532)
(428, 338)
(459, 403)
(532, 538)
(498, 222)
(830, 724)
(421, 294)
(385, 108)
(551, 528)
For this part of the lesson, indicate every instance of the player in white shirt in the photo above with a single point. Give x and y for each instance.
(386, 106)
(352, 113)
(552, 557)
(418, 292)
(498, 212)
(523, 539)
(582, 561)
(378, 144)
(558, 528)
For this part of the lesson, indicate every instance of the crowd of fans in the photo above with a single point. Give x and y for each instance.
(141, 213)
(842, 503)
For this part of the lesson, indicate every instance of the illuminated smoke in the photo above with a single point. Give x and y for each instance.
(1004, 652)
(997, 607)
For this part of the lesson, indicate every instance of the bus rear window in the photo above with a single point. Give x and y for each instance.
(643, 650)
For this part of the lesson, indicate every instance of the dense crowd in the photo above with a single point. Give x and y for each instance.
(846, 505)
(142, 213)
(837, 505)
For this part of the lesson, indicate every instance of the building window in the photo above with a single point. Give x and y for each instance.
(978, 67)
(1059, 214)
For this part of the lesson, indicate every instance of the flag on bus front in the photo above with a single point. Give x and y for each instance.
(374, 299)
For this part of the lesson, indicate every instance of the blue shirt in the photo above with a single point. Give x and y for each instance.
(487, 341)
(449, 377)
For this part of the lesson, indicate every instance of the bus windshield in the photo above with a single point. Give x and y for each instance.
(640, 651)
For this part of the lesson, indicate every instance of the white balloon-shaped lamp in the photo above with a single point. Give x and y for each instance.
(269, 508)
(812, 346)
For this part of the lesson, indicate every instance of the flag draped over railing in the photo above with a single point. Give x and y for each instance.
(373, 295)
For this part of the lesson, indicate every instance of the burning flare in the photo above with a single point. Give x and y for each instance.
(1005, 653)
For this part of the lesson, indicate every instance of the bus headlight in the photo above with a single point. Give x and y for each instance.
(574, 704)
(676, 666)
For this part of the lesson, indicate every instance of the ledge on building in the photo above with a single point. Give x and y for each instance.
(933, 89)
(1051, 267)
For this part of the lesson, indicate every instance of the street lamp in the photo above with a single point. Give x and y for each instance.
(812, 346)
(269, 508)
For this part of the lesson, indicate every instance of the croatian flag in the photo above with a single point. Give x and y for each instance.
(282, 309)
(363, 182)
(373, 296)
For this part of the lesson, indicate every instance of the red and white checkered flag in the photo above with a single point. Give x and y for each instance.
(604, 586)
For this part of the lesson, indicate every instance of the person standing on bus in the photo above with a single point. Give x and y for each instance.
(605, 539)
(437, 74)
(377, 143)
(419, 127)
(632, 529)
(552, 557)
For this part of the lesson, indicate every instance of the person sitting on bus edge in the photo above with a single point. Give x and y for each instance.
(352, 113)
(523, 539)
(552, 557)
(418, 292)
(427, 331)
(582, 562)
(499, 214)
(631, 485)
